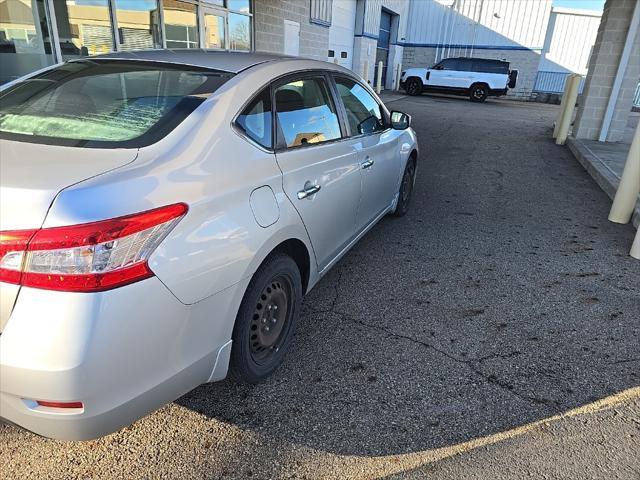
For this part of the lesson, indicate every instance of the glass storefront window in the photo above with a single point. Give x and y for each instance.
(25, 45)
(138, 24)
(239, 32)
(180, 24)
(213, 30)
(84, 27)
(238, 5)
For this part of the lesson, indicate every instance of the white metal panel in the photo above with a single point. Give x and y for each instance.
(465, 25)
(342, 30)
(570, 38)
(291, 38)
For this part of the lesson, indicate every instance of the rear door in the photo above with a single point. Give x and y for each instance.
(377, 147)
(321, 174)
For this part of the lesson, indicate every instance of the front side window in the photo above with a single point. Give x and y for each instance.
(108, 103)
(448, 64)
(363, 112)
(305, 112)
(255, 119)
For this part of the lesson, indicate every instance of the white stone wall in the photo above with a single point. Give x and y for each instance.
(603, 67)
(269, 17)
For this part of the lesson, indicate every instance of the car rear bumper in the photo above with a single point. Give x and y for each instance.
(122, 353)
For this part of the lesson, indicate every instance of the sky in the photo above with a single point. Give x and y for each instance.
(584, 4)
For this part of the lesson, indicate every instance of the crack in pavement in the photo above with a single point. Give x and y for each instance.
(469, 363)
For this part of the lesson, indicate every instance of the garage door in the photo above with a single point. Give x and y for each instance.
(343, 24)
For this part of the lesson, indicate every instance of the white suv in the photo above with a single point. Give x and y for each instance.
(476, 77)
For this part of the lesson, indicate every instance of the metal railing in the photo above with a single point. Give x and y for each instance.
(552, 82)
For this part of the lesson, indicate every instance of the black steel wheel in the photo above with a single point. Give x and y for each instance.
(479, 92)
(266, 319)
(406, 188)
(413, 86)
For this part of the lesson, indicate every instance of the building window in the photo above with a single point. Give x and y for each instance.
(180, 24)
(25, 44)
(83, 29)
(214, 29)
(138, 24)
(321, 12)
(239, 32)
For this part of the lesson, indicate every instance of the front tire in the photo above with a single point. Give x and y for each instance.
(413, 86)
(406, 188)
(266, 319)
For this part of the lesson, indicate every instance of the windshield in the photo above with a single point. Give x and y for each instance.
(104, 103)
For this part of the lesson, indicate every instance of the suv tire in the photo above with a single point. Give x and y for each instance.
(478, 92)
(413, 86)
(266, 319)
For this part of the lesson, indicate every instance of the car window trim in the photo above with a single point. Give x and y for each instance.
(386, 116)
(280, 145)
(240, 131)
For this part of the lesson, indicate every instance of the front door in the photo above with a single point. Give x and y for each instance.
(321, 174)
(377, 149)
(214, 33)
(291, 38)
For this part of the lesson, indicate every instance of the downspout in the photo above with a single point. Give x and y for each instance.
(622, 68)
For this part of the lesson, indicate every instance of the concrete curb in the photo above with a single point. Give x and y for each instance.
(606, 178)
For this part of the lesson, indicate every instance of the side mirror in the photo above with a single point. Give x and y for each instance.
(400, 121)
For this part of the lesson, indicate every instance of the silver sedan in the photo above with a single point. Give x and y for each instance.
(162, 213)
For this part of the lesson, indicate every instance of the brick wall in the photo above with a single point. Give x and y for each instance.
(525, 61)
(269, 16)
(603, 66)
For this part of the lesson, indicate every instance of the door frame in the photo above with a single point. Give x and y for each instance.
(203, 9)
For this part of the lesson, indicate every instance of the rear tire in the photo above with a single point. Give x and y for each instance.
(266, 319)
(413, 86)
(478, 92)
(406, 188)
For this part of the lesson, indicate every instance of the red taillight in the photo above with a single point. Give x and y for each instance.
(44, 403)
(86, 258)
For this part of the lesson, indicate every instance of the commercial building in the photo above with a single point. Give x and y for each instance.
(356, 33)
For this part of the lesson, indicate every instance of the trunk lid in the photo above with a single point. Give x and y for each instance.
(31, 175)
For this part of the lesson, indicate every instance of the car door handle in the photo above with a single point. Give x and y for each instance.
(367, 163)
(308, 191)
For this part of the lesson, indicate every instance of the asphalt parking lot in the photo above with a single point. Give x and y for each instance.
(493, 332)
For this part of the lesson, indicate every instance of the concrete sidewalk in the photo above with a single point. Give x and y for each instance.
(605, 161)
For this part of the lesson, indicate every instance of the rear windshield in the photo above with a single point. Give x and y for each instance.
(104, 103)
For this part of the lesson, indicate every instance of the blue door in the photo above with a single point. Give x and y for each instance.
(382, 50)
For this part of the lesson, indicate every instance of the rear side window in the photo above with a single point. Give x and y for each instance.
(363, 112)
(306, 113)
(255, 119)
(108, 103)
(490, 66)
(465, 65)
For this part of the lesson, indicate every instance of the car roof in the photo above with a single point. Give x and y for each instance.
(233, 62)
(477, 59)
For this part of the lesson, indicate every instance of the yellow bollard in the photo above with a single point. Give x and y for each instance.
(627, 194)
(635, 248)
(365, 73)
(567, 114)
(563, 105)
(379, 79)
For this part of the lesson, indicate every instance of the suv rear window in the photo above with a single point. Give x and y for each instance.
(104, 103)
